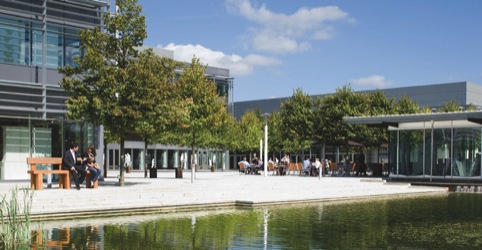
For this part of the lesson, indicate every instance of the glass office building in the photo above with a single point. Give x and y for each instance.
(37, 37)
(442, 147)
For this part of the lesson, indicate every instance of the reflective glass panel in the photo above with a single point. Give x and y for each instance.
(14, 42)
(442, 152)
(467, 149)
(411, 152)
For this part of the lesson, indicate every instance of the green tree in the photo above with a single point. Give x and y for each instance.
(454, 106)
(450, 106)
(275, 138)
(334, 107)
(376, 103)
(425, 110)
(410, 139)
(406, 106)
(470, 107)
(250, 126)
(205, 109)
(226, 135)
(159, 108)
(100, 88)
(298, 120)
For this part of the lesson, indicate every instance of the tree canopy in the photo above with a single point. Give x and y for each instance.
(205, 109)
(103, 88)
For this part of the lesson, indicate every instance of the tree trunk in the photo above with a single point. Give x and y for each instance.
(145, 158)
(122, 163)
(105, 158)
(193, 157)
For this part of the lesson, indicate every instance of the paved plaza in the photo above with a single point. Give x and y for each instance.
(209, 190)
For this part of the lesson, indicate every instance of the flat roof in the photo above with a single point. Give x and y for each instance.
(422, 120)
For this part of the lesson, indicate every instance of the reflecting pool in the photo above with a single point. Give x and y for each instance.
(452, 221)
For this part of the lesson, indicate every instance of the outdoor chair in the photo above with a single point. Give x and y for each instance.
(271, 167)
(241, 168)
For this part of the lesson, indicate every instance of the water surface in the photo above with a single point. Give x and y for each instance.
(452, 221)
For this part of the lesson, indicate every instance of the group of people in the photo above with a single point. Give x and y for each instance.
(316, 167)
(281, 167)
(308, 167)
(253, 167)
(87, 162)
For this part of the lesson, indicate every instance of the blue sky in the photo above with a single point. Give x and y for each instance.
(273, 47)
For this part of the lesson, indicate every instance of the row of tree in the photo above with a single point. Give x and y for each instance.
(304, 120)
(138, 95)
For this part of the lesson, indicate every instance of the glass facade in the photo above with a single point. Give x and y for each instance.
(24, 138)
(467, 150)
(436, 152)
(166, 157)
(21, 43)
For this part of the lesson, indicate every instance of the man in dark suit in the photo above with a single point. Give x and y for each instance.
(69, 162)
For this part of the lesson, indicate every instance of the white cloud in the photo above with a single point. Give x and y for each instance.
(281, 33)
(373, 81)
(237, 65)
(264, 41)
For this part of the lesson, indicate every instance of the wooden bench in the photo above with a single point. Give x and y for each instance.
(36, 176)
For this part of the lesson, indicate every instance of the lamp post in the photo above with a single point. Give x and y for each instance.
(265, 115)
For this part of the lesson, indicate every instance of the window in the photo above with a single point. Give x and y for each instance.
(14, 42)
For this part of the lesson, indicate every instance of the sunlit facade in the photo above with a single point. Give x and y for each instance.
(37, 37)
(162, 156)
(432, 95)
(442, 147)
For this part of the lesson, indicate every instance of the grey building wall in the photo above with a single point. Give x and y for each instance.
(474, 94)
(24, 90)
(434, 95)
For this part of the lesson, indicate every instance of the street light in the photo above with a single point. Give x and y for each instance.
(265, 115)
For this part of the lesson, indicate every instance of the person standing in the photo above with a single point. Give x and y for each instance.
(69, 162)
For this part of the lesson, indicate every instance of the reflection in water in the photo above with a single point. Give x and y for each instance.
(88, 237)
(446, 221)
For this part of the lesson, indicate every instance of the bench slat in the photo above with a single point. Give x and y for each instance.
(40, 160)
(48, 171)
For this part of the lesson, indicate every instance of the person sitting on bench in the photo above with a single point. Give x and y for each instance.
(91, 164)
(69, 162)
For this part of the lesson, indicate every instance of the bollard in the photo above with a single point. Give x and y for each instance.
(153, 172)
(178, 173)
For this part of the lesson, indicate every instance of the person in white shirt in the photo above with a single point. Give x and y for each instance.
(318, 167)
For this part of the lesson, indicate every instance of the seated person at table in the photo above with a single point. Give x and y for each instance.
(284, 164)
(318, 167)
(255, 159)
(258, 166)
(307, 165)
(246, 165)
